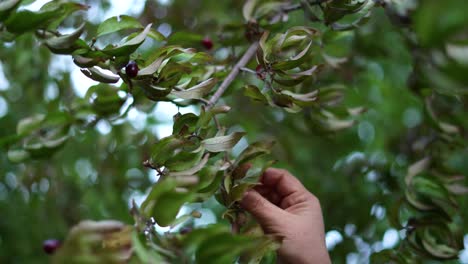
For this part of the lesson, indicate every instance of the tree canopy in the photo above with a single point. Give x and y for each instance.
(148, 118)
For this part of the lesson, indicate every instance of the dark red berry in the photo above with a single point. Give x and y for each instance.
(51, 245)
(207, 43)
(261, 73)
(132, 69)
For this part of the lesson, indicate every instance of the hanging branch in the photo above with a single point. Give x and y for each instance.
(233, 74)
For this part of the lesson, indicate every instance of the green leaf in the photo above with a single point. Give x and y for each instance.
(186, 121)
(96, 74)
(439, 242)
(237, 191)
(197, 91)
(210, 180)
(310, 11)
(253, 92)
(43, 135)
(183, 160)
(66, 41)
(268, 8)
(185, 39)
(165, 149)
(295, 61)
(248, 9)
(25, 20)
(144, 254)
(223, 248)
(168, 205)
(65, 8)
(17, 156)
(6, 7)
(266, 244)
(336, 10)
(254, 150)
(84, 62)
(29, 124)
(164, 201)
(104, 99)
(222, 143)
(302, 99)
(193, 170)
(206, 117)
(153, 92)
(193, 240)
(130, 46)
(152, 68)
(435, 22)
(156, 35)
(117, 23)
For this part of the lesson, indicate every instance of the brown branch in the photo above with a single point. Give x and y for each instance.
(233, 74)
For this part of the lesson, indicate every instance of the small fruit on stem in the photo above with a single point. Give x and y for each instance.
(50, 245)
(207, 43)
(132, 69)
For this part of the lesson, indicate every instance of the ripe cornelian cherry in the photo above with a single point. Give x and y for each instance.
(132, 69)
(51, 245)
(207, 43)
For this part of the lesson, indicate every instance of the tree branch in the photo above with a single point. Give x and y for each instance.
(233, 74)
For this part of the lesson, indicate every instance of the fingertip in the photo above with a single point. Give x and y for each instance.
(246, 198)
(272, 175)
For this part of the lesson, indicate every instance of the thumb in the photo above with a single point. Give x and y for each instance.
(266, 213)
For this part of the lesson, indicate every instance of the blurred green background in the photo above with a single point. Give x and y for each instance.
(356, 173)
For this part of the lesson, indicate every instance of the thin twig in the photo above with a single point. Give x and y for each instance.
(244, 69)
(233, 74)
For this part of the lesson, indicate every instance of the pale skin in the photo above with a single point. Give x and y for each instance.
(285, 208)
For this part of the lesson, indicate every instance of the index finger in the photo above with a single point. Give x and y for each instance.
(282, 181)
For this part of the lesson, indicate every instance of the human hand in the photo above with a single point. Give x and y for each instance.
(283, 207)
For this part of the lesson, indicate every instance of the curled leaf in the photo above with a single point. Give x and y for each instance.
(197, 91)
(222, 143)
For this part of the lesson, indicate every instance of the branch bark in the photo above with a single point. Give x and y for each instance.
(233, 74)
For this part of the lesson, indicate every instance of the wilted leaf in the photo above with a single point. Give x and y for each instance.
(197, 91)
(248, 9)
(96, 74)
(222, 143)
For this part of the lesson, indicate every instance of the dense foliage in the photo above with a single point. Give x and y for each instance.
(364, 101)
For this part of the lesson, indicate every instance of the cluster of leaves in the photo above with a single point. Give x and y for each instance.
(291, 72)
(433, 225)
(190, 162)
